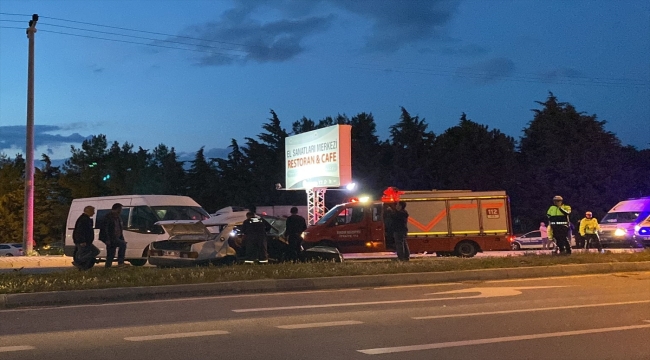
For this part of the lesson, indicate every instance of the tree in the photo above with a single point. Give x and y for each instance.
(51, 204)
(266, 160)
(84, 170)
(202, 182)
(169, 173)
(367, 169)
(234, 174)
(565, 152)
(411, 162)
(470, 156)
(303, 125)
(12, 196)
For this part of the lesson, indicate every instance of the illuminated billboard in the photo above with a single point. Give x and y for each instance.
(319, 158)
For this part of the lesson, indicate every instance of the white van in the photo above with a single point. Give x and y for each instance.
(620, 227)
(139, 215)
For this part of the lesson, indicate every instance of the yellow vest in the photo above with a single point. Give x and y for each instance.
(589, 226)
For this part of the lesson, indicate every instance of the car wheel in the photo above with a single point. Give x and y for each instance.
(466, 249)
(516, 246)
(9, 254)
(138, 262)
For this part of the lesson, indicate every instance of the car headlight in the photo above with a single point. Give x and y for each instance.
(620, 232)
(233, 233)
(304, 234)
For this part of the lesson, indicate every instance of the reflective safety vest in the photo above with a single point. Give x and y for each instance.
(589, 226)
(557, 216)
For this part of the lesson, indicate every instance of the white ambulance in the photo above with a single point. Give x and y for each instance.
(621, 226)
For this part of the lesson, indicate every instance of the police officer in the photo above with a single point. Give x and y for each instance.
(254, 229)
(589, 229)
(558, 216)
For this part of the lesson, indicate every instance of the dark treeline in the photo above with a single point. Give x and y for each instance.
(561, 152)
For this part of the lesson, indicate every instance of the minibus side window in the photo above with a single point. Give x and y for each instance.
(143, 220)
(101, 214)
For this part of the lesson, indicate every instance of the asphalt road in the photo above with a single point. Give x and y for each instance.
(583, 317)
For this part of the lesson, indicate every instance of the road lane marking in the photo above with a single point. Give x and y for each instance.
(398, 349)
(321, 324)
(176, 335)
(320, 306)
(494, 291)
(414, 286)
(563, 307)
(177, 300)
(16, 348)
(483, 293)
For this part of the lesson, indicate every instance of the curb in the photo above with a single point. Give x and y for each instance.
(77, 297)
(35, 262)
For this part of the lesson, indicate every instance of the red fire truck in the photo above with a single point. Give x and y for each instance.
(454, 222)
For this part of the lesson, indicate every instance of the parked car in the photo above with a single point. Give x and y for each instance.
(11, 250)
(530, 240)
(533, 240)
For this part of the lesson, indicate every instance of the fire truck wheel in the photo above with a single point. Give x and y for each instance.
(466, 249)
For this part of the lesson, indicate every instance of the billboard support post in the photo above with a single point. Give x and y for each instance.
(315, 204)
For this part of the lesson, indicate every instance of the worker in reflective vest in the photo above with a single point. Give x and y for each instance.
(558, 230)
(589, 229)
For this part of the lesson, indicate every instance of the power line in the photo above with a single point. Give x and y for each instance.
(485, 76)
(149, 32)
(12, 27)
(138, 37)
(138, 43)
(463, 73)
(2, 13)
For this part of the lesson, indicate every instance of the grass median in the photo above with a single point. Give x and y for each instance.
(100, 278)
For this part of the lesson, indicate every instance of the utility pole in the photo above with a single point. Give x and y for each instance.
(28, 216)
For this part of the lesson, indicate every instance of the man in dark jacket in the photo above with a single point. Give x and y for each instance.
(83, 235)
(400, 219)
(254, 229)
(111, 234)
(296, 224)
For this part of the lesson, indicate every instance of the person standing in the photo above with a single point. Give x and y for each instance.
(389, 231)
(254, 229)
(544, 234)
(85, 252)
(111, 233)
(589, 229)
(558, 216)
(400, 219)
(296, 224)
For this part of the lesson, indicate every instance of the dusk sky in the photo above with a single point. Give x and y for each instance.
(198, 73)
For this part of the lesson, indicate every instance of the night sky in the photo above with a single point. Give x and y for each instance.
(198, 73)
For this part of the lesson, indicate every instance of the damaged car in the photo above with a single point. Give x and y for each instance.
(196, 243)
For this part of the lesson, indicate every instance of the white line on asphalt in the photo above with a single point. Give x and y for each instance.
(321, 324)
(529, 310)
(320, 306)
(176, 335)
(176, 300)
(414, 286)
(397, 349)
(16, 348)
